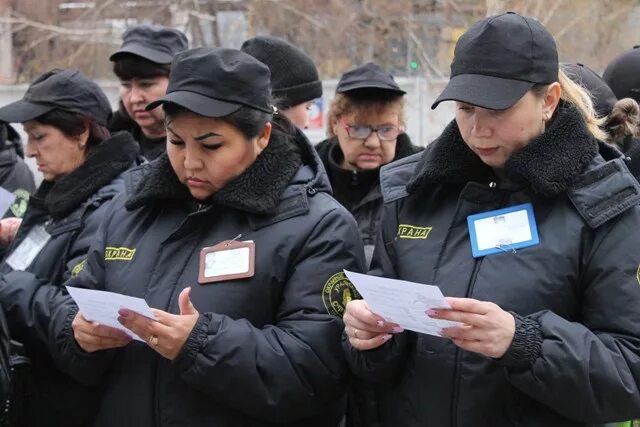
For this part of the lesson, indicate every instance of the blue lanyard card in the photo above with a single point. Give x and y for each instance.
(503, 230)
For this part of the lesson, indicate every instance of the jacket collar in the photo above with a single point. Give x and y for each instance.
(105, 162)
(549, 164)
(258, 190)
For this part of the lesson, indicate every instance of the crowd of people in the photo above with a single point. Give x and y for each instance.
(206, 154)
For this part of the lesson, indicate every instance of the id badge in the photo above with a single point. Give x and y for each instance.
(228, 260)
(503, 230)
(29, 248)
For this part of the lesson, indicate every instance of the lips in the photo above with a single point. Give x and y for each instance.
(486, 151)
(195, 182)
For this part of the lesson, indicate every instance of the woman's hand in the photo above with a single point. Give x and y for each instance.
(168, 334)
(486, 328)
(92, 336)
(8, 230)
(365, 329)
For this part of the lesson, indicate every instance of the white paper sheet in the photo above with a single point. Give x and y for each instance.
(102, 307)
(6, 200)
(402, 302)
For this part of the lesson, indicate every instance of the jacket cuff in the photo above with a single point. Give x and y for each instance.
(525, 347)
(195, 342)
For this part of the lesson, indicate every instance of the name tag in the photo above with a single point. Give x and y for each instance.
(503, 230)
(228, 260)
(28, 249)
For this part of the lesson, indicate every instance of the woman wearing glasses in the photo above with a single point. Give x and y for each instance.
(365, 127)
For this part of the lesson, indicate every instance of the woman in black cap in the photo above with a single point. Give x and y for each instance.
(233, 237)
(64, 115)
(366, 129)
(530, 232)
(621, 117)
(142, 65)
(294, 76)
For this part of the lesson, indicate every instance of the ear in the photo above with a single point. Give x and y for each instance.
(82, 138)
(264, 137)
(551, 100)
(334, 125)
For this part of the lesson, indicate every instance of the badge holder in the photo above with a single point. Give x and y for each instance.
(228, 260)
(503, 230)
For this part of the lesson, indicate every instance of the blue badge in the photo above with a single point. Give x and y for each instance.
(503, 230)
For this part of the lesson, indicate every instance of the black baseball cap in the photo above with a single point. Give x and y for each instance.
(601, 94)
(623, 74)
(155, 43)
(215, 82)
(498, 60)
(66, 90)
(368, 76)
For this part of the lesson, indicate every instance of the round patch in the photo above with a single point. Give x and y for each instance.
(19, 206)
(337, 293)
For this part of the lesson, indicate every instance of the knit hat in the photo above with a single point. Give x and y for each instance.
(294, 76)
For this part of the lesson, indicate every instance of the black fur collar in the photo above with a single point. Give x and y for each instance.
(549, 164)
(256, 191)
(105, 162)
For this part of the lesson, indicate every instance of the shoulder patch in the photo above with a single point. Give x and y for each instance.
(406, 231)
(337, 293)
(78, 268)
(118, 254)
(19, 206)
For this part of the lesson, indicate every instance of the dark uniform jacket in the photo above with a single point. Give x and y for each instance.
(266, 350)
(359, 191)
(575, 357)
(70, 210)
(15, 175)
(150, 148)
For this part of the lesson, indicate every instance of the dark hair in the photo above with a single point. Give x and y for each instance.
(623, 121)
(128, 66)
(247, 120)
(71, 124)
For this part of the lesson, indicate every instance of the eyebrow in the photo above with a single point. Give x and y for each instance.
(206, 135)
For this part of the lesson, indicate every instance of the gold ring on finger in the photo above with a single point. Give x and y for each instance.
(153, 340)
(355, 333)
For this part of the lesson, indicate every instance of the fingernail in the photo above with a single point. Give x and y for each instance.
(386, 338)
(121, 319)
(398, 329)
(380, 323)
(431, 312)
(124, 312)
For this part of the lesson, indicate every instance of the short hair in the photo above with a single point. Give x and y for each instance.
(71, 124)
(128, 66)
(364, 103)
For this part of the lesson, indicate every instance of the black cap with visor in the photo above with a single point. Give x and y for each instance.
(498, 60)
(215, 82)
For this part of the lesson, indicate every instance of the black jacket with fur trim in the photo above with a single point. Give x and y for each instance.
(575, 357)
(67, 213)
(266, 349)
(150, 149)
(15, 175)
(359, 191)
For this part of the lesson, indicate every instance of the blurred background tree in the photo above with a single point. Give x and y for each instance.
(406, 37)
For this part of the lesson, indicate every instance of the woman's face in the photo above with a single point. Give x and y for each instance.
(372, 151)
(136, 94)
(55, 153)
(495, 135)
(299, 114)
(207, 153)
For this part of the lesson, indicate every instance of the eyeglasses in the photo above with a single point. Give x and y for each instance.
(385, 132)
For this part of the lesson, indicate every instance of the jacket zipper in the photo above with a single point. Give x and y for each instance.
(458, 356)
